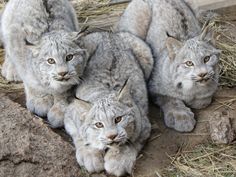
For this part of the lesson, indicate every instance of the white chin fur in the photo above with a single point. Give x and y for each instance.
(187, 84)
(99, 145)
(60, 86)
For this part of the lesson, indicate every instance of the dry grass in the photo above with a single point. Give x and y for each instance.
(204, 161)
(98, 14)
(226, 42)
(227, 103)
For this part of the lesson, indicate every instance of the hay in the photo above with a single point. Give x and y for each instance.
(226, 42)
(204, 161)
(99, 14)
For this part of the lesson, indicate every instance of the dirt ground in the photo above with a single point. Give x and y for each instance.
(164, 142)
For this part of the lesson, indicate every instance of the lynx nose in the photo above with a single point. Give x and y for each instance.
(202, 75)
(62, 73)
(112, 137)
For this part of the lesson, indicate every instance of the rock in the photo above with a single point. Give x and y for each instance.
(221, 130)
(28, 147)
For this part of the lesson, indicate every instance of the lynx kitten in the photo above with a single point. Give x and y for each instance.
(185, 68)
(108, 122)
(40, 39)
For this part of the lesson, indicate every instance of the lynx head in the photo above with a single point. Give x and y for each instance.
(193, 62)
(110, 120)
(57, 59)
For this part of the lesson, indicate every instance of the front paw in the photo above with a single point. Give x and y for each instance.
(9, 72)
(92, 161)
(121, 162)
(56, 115)
(200, 103)
(181, 120)
(40, 106)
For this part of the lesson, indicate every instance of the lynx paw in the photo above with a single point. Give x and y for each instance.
(56, 115)
(200, 103)
(91, 160)
(9, 72)
(181, 120)
(40, 106)
(120, 163)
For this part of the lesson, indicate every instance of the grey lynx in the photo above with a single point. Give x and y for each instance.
(185, 70)
(40, 38)
(108, 120)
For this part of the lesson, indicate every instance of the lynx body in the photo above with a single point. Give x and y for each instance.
(108, 120)
(185, 70)
(40, 38)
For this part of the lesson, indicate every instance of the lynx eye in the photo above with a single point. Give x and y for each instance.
(118, 119)
(99, 125)
(51, 61)
(189, 63)
(69, 57)
(206, 59)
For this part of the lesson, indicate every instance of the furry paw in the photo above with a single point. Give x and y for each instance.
(181, 120)
(56, 115)
(121, 162)
(9, 72)
(200, 103)
(40, 106)
(91, 160)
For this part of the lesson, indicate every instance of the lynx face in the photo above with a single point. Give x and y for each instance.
(58, 60)
(108, 121)
(195, 63)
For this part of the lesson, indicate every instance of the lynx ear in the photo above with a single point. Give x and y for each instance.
(77, 35)
(32, 46)
(28, 43)
(207, 34)
(173, 46)
(124, 95)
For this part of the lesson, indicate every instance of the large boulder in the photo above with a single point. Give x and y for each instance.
(28, 147)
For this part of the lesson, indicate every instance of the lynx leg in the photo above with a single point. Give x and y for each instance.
(176, 114)
(38, 103)
(9, 71)
(57, 113)
(120, 160)
(200, 103)
(88, 157)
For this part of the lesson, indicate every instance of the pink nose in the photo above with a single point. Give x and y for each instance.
(202, 74)
(112, 137)
(62, 73)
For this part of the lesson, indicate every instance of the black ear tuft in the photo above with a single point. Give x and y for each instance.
(123, 87)
(168, 35)
(77, 35)
(28, 43)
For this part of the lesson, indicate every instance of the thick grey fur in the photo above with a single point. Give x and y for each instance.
(175, 36)
(33, 31)
(114, 86)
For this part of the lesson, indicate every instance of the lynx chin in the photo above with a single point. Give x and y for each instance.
(185, 70)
